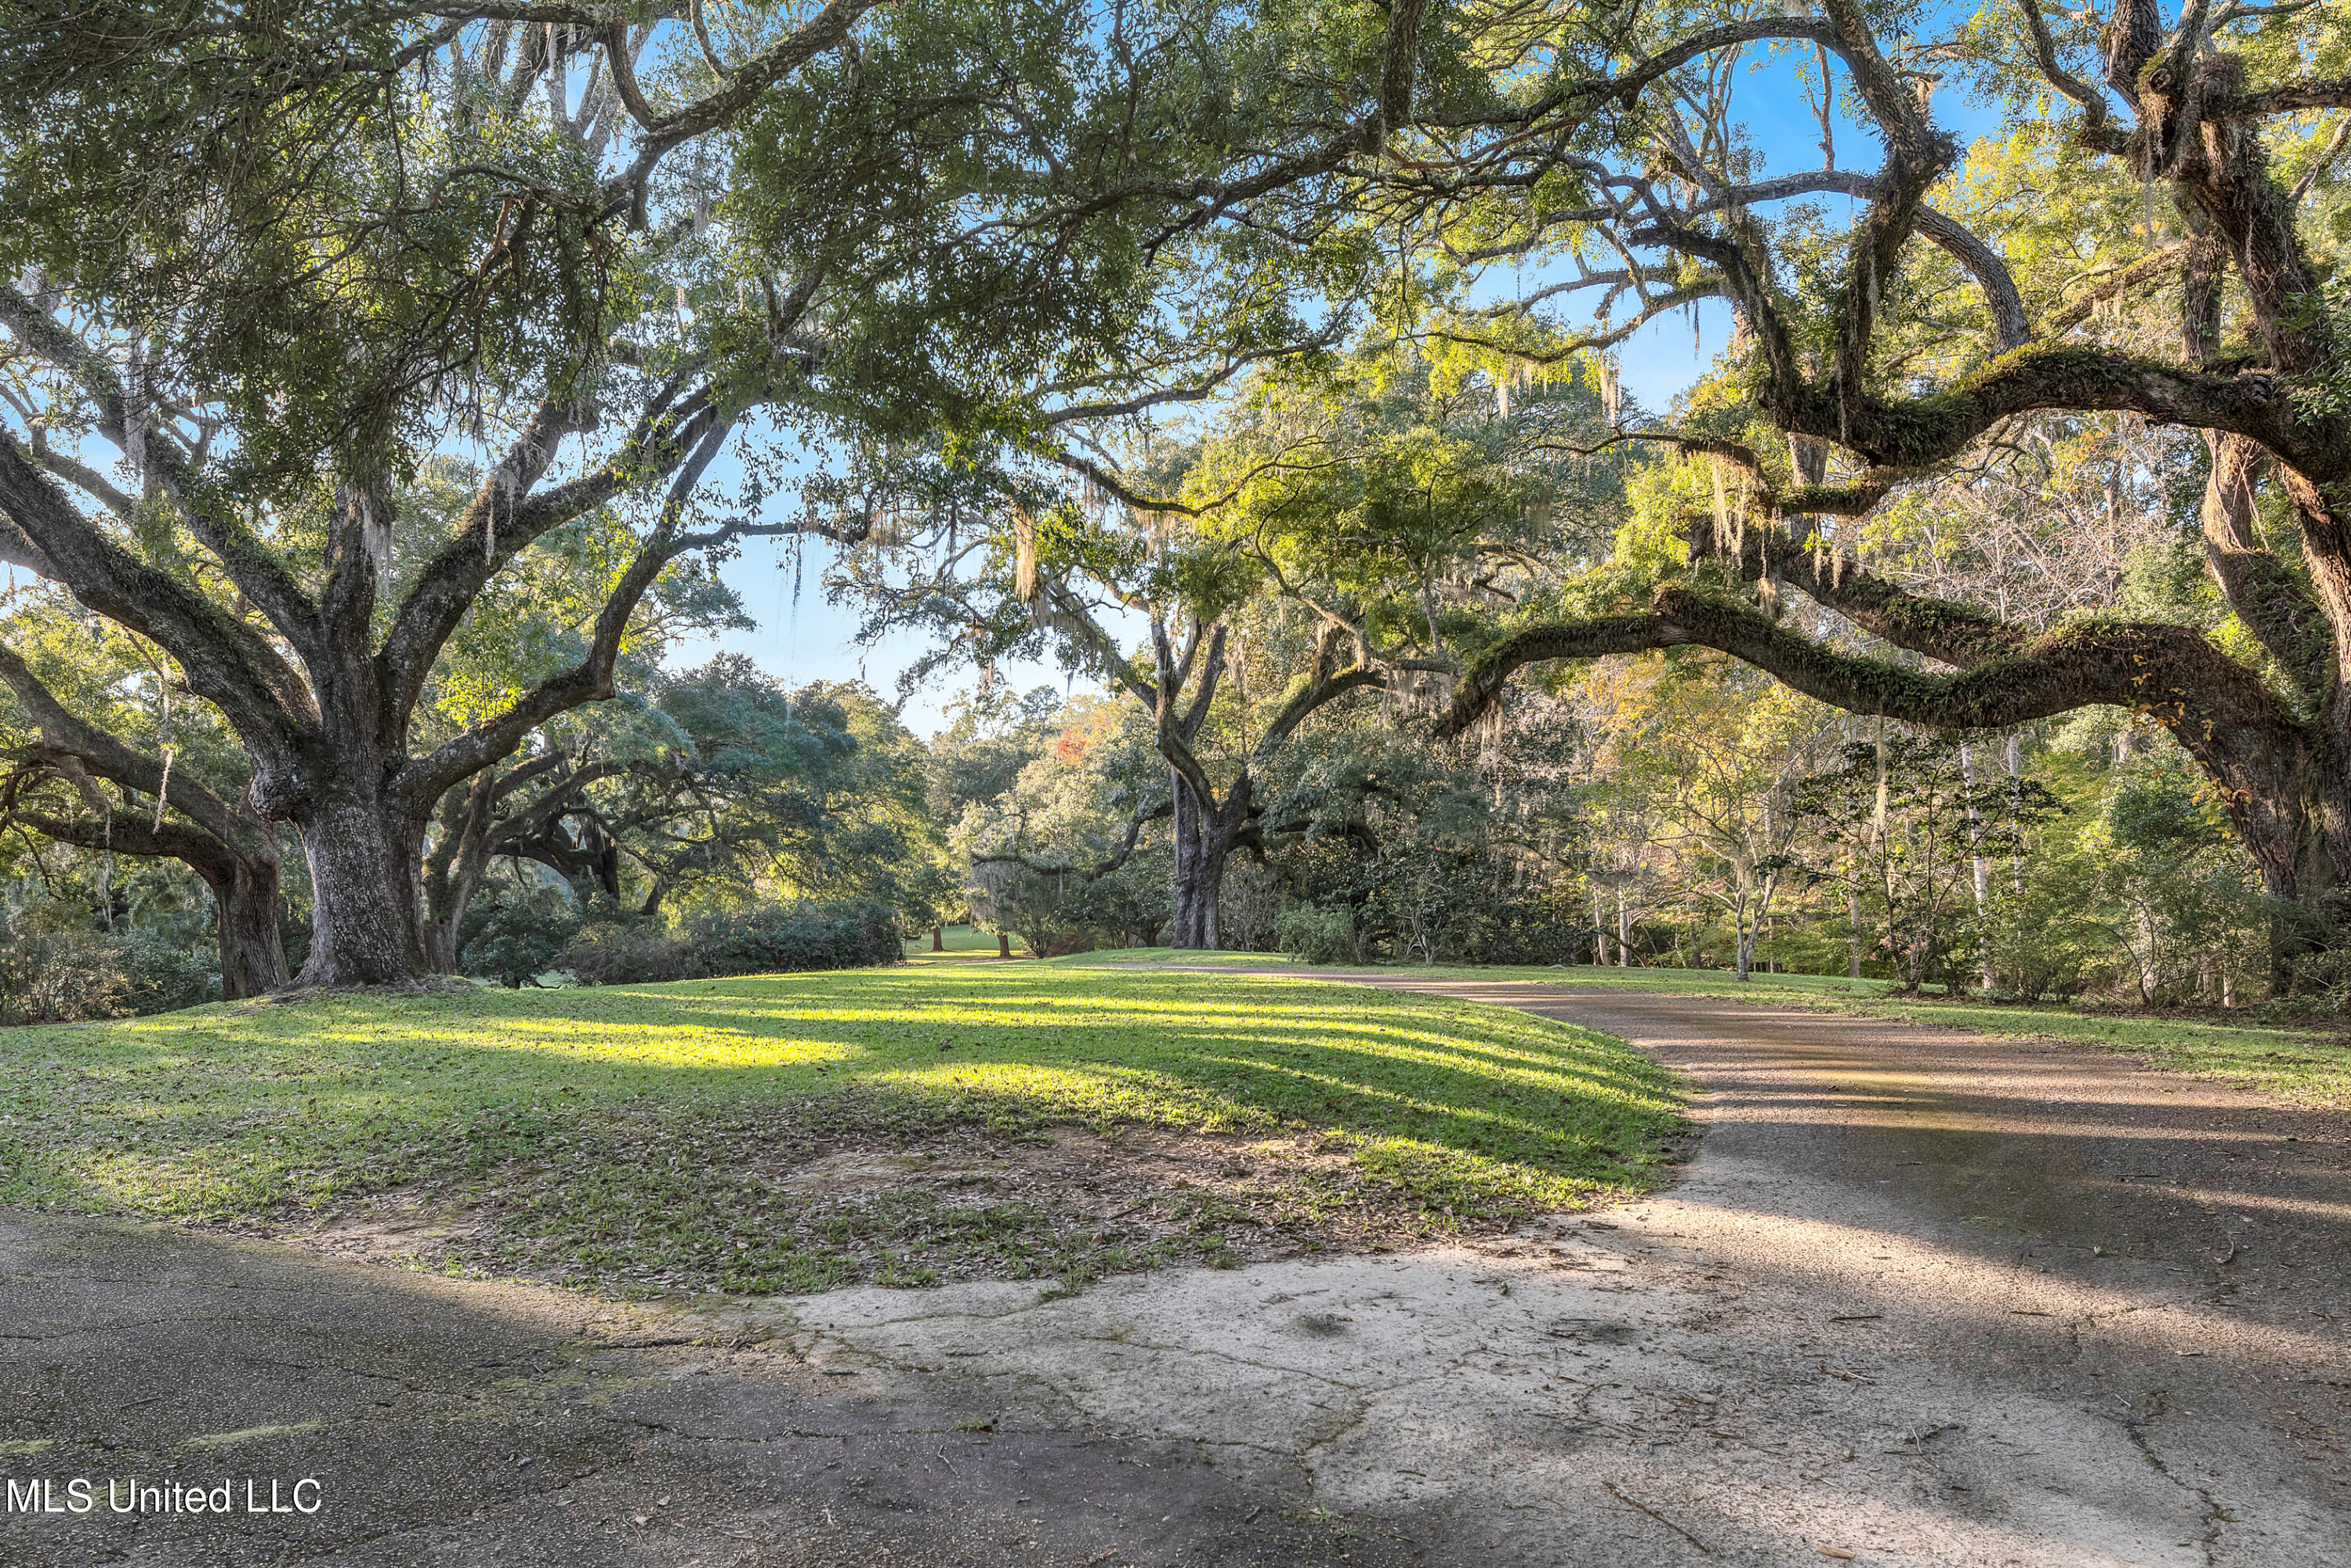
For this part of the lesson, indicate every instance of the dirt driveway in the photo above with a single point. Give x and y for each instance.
(1922, 1298)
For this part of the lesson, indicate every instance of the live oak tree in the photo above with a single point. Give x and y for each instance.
(266, 260)
(1074, 591)
(261, 263)
(1306, 549)
(101, 728)
(1056, 538)
(716, 782)
(2151, 231)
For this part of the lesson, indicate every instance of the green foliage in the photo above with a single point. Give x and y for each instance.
(1048, 852)
(51, 973)
(717, 786)
(1908, 821)
(746, 939)
(1315, 936)
(516, 933)
(2163, 853)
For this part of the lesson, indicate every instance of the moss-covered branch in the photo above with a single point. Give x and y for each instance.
(2217, 709)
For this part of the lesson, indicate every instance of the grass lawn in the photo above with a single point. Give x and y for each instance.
(639, 1139)
(960, 940)
(2310, 1067)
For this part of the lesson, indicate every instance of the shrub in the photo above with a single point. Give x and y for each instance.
(796, 936)
(166, 974)
(67, 976)
(1315, 936)
(516, 934)
(625, 953)
(746, 940)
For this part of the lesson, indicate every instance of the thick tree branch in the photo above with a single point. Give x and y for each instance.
(2312, 93)
(2010, 325)
(250, 563)
(1941, 629)
(225, 660)
(2219, 710)
(128, 834)
(1320, 690)
(64, 732)
(1912, 435)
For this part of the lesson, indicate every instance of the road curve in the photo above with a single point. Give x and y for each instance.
(2094, 1314)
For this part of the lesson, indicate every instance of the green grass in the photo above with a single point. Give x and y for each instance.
(635, 1138)
(963, 939)
(2306, 1066)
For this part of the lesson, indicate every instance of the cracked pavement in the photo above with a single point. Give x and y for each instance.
(1921, 1297)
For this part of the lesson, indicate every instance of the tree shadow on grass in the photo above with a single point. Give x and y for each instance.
(176, 1120)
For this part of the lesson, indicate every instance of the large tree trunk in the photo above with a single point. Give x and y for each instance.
(442, 932)
(1199, 883)
(364, 924)
(252, 946)
(453, 872)
(1203, 842)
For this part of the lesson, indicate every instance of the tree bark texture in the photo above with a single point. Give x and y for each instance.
(248, 906)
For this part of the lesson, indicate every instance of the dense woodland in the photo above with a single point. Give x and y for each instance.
(385, 388)
(1681, 811)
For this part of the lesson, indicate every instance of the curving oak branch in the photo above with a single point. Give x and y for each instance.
(2219, 711)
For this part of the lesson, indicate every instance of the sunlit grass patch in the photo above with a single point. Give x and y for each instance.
(645, 1137)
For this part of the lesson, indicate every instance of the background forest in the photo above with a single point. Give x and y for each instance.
(1675, 807)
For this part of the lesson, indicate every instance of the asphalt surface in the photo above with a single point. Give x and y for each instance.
(1921, 1297)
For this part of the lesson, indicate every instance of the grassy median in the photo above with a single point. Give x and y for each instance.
(642, 1138)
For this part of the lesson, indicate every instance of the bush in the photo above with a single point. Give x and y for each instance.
(67, 975)
(1311, 934)
(751, 939)
(626, 953)
(166, 975)
(518, 933)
